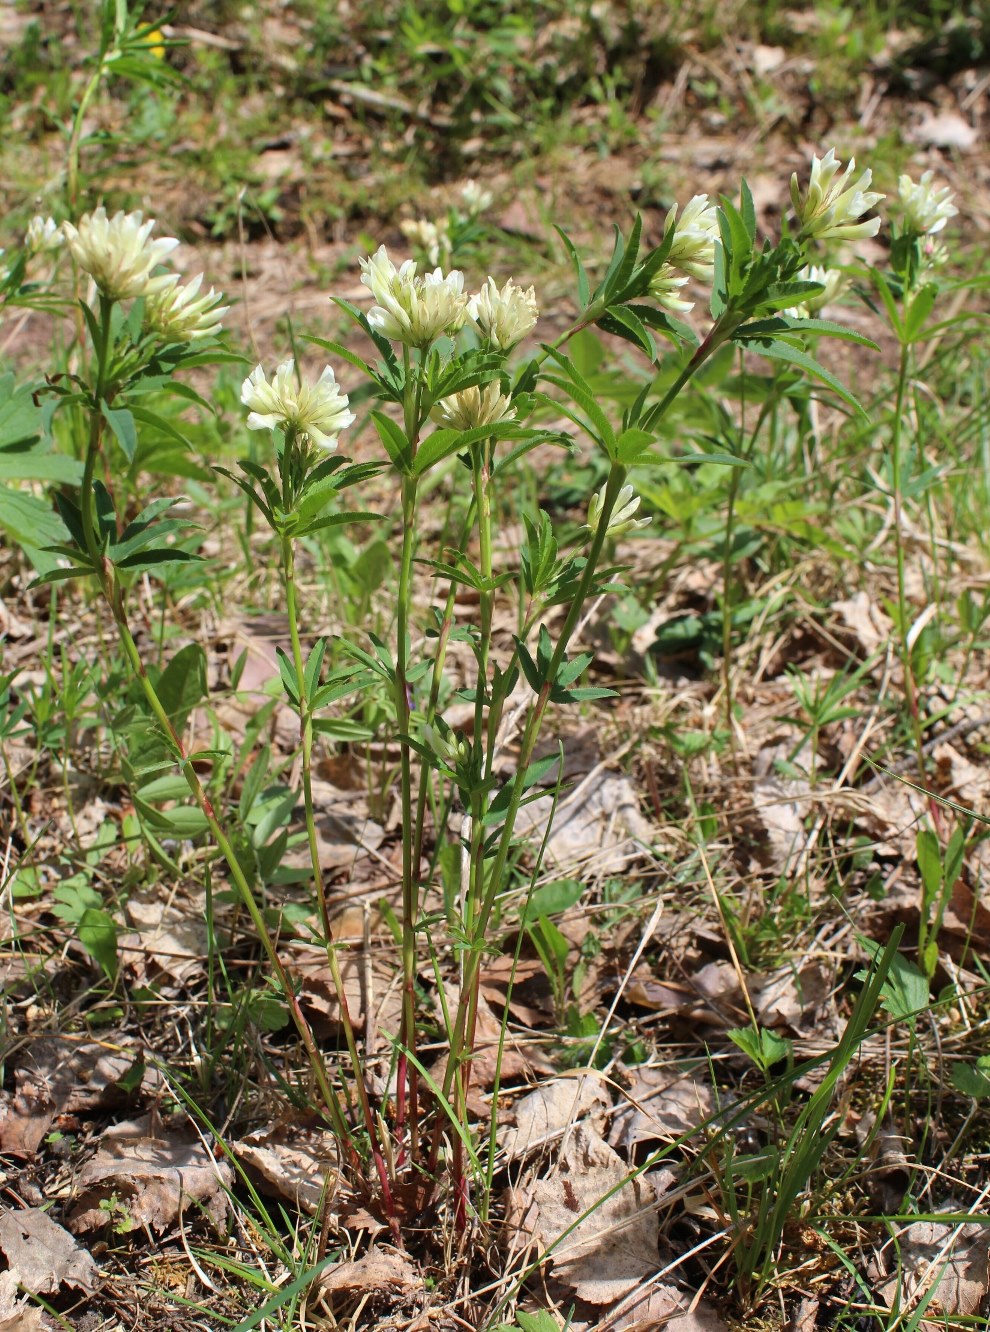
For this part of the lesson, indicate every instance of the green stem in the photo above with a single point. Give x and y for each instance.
(306, 735)
(896, 463)
(410, 871)
(468, 1005)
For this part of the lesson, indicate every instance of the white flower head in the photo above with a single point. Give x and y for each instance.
(622, 520)
(317, 411)
(412, 308)
(433, 238)
(926, 209)
(475, 198)
(834, 282)
(692, 250)
(475, 406)
(504, 317)
(834, 202)
(180, 314)
(118, 253)
(665, 288)
(43, 233)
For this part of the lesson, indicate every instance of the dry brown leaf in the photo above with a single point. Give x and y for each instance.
(17, 1315)
(869, 627)
(954, 1259)
(293, 1159)
(369, 981)
(596, 826)
(646, 1310)
(546, 1112)
(174, 940)
(152, 1178)
(615, 1248)
(376, 1272)
(531, 1001)
(702, 1319)
(663, 1103)
(74, 1076)
(789, 997)
(45, 1255)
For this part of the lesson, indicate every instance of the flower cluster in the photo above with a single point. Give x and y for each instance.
(622, 520)
(433, 238)
(121, 256)
(926, 210)
(504, 317)
(475, 198)
(691, 253)
(314, 412)
(180, 314)
(416, 309)
(118, 253)
(413, 308)
(835, 203)
(475, 406)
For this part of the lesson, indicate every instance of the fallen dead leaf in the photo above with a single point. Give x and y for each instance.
(152, 1178)
(45, 1255)
(17, 1315)
(596, 826)
(954, 1259)
(645, 1310)
(293, 1159)
(702, 1319)
(173, 940)
(377, 1271)
(663, 1103)
(790, 997)
(546, 1112)
(612, 1250)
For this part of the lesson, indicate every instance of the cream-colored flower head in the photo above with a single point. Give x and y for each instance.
(433, 238)
(622, 520)
(179, 313)
(475, 198)
(834, 203)
(478, 405)
(43, 233)
(665, 289)
(504, 317)
(412, 308)
(934, 252)
(695, 233)
(926, 209)
(118, 253)
(317, 411)
(832, 279)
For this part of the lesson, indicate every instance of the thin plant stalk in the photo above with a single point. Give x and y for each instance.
(896, 465)
(306, 735)
(112, 591)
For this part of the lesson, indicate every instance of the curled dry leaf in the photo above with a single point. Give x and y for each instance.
(544, 1114)
(57, 1076)
(615, 1248)
(45, 1255)
(663, 1104)
(152, 1179)
(377, 1273)
(293, 1160)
